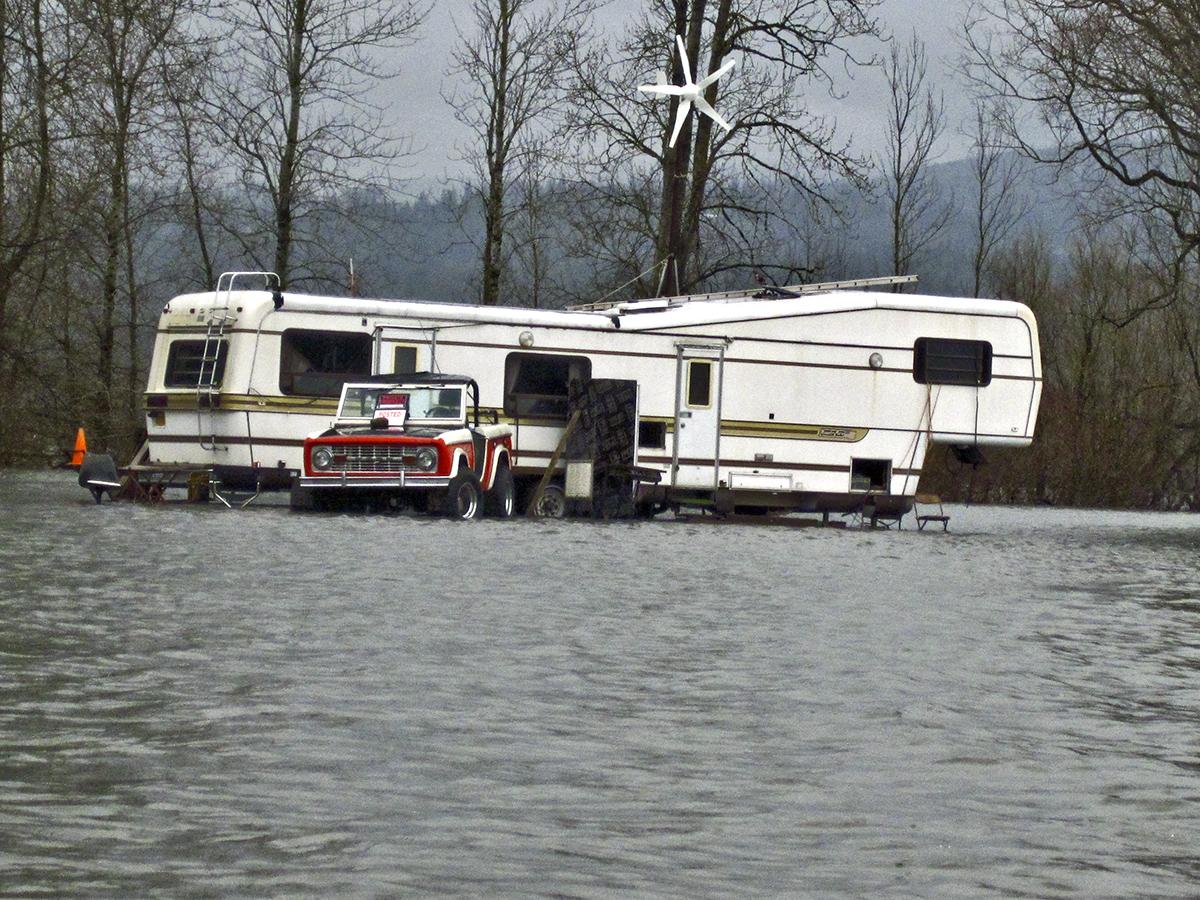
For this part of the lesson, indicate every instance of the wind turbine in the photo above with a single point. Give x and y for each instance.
(689, 93)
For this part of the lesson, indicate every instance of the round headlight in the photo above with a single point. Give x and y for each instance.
(426, 459)
(322, 458)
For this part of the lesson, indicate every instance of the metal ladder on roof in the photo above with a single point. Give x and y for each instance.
(208, 381)
(208, 378)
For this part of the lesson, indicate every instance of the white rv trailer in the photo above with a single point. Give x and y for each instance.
(818, 402)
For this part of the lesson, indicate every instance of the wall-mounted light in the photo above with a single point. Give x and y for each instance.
(876, 361)
(526, 339)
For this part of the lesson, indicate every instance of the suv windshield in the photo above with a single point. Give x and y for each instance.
(359, 401)
(435, 403)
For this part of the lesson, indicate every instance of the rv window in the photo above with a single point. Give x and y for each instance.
(535, 384)
(185, 358)
(945, 361)
(699, 383)
(870, 475)
(318, 363)
(652, 435)
(405, 362)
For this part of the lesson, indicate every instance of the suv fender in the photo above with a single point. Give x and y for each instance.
(459, 463)
(499, 455)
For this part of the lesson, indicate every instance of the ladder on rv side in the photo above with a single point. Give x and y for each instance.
(208, 380)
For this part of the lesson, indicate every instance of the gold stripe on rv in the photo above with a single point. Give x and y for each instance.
(252, 403)
(784, 431)
(790, 432)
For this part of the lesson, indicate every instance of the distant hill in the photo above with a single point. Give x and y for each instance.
(427, 247)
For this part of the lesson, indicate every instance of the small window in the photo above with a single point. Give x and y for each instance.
(535, 384)
(318, 363)
(699, 383)
(945, 361)
(652, 435)
(185, 359)
(870, 475)
(405, 361)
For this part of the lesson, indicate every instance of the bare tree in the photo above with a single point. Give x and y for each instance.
(1119, 404)
(820, 241)
(124, 39)
(916, 214)
(1110, 81)
(187, 77)
(534, 224)
(25, 140)
(293, 112)
(999, 207)
(513, 64)
(25, 187)
(713, 186)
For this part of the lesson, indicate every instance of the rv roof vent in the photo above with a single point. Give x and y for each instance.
(640, 306)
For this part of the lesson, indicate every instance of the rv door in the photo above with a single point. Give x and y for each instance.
(697, 416)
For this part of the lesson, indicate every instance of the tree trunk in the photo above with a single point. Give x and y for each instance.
(288, 161)
(5, 49)
(193, 186)
(497, 159)
(702, 152)
(17, 245)
(669, 248)
(134, 379)
(112, 260)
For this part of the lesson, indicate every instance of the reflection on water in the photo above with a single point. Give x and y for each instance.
(200, 701)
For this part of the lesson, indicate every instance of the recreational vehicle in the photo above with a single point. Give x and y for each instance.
(809, 399)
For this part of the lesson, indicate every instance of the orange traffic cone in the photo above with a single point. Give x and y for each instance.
(80, 449)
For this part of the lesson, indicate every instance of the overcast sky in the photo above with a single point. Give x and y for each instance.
(413, 100)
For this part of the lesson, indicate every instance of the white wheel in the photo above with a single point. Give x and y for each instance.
(462, 496)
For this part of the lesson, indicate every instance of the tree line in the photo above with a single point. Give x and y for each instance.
(146, 146)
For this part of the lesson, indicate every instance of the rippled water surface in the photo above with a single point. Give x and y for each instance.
(198, 701)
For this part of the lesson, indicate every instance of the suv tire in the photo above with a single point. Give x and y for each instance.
(501, 499)
(462, 496)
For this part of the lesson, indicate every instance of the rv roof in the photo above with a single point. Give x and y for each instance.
(652, 316)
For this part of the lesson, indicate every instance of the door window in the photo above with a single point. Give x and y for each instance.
(699, 383)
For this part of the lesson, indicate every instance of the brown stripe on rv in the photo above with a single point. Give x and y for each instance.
(741, 463)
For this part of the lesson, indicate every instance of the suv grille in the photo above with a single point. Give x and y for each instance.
(372, 458)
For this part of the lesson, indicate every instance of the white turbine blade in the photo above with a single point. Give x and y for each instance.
(667, 90)
(709, 79)
(687, 66)
(705, 107)
(685, 107)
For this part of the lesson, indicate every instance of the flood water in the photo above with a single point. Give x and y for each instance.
(195, 701)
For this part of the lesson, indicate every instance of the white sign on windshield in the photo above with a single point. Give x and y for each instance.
(393, 407)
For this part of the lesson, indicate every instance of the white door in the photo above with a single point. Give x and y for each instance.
(697, 416)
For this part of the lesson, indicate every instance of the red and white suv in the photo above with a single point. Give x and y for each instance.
(415, 442)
